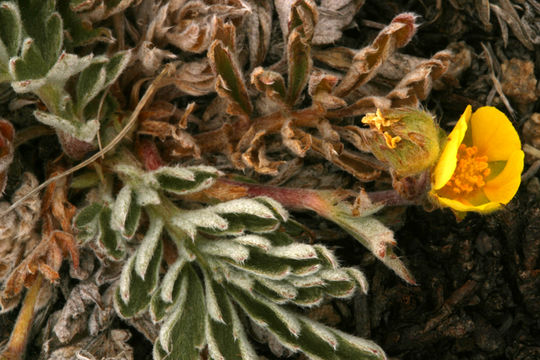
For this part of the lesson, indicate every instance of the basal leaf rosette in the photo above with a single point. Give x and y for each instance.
(480, 167)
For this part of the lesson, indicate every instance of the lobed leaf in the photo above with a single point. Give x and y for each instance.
(168, 296)
(135, 292)
(182, 335)
(148, 246)
(109, 239)
(315, 340)
(179, 180)
(226, 337)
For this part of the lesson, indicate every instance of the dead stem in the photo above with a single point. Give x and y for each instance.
(17, 342)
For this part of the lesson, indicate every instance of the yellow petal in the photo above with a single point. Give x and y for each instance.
(462, 207)
(448, 160)
(493, 134)
(503, 188)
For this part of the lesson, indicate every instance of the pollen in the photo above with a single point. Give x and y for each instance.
(391, 141)
(471, 171)
(377, 120)
(380, 123)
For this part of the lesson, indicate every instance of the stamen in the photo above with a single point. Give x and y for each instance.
(380, 123)
(471, 171)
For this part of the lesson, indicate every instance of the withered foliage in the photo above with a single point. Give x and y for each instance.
(56, 240)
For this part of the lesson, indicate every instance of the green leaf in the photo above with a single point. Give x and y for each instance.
(126, 212)
(182, 335)
(309, 296)
(134, 293)
(262, 264)
(167, 296)
(238, 223)
(270, 316)
(85, 180)
(116, 65)
(183, 181)
(91, 81)
(299, 61)
(110, 239)
(10, 33)
(226, 338)
(147, 248)
(375, 236)
(230, 83)
(317, 341)
(85, 132)
(88, 214)
(44, 27)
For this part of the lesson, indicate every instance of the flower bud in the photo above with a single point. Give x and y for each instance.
(408, 140)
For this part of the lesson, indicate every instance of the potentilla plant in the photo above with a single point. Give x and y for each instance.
(202, 249)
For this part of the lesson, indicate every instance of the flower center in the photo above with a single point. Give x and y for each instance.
(471, 171)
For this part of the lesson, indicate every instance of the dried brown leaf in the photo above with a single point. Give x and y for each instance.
(259, 25)
(193, 25)
(417, 85)
(299, 142)
(73, 318)
(97, 10)
(17, 234)
(271, 84)
(255, 156)
(194, 78)
(358, 165)
(361, 106)
(510, 16)
(338, 57)
(334, 16)
(367, 61)
(57, 241)
(493, 64)
(483, 11)
(320, 87)
(531, 135)
(151, 57)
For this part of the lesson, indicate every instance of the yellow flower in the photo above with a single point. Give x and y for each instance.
(480, 167)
